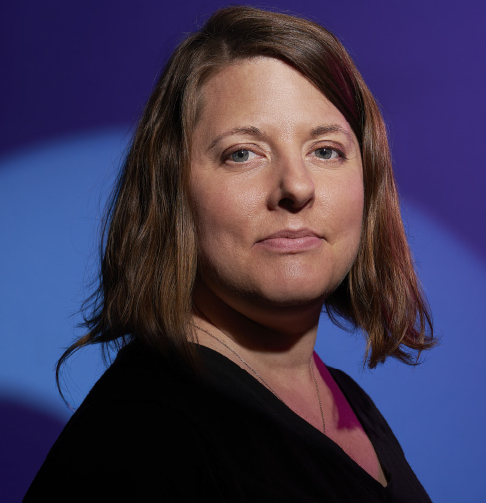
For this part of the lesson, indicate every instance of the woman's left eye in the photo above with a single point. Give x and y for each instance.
(326, 153)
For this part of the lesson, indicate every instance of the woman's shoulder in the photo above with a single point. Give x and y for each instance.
(124, 432)
(121, 452)
(139, 388)
(137, 374)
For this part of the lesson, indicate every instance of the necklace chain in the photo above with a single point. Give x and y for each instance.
(260, 378)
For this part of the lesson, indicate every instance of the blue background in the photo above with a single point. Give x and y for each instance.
(75, 76)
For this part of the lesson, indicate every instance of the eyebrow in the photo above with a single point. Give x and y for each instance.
(248, 130)
(330, 128)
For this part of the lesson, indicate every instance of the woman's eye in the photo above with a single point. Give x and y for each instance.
(326, 153)
(240, 155)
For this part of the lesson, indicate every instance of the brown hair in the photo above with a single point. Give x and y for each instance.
(149, 255)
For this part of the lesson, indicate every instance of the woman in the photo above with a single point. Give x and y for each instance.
(258, 190)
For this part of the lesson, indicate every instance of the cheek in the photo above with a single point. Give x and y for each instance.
(343, 212)
(226, 215)
(343, 204)
(352, 208)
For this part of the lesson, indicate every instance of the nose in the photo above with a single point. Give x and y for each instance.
(294, 185)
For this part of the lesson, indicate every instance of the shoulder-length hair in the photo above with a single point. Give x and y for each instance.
(149, 249)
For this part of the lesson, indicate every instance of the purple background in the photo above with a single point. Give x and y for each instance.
(75, 76)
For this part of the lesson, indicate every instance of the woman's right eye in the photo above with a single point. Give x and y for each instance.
(240, 155)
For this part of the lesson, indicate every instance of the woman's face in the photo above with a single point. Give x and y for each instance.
(277, 187)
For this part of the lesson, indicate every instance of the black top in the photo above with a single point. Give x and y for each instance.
(150, 430)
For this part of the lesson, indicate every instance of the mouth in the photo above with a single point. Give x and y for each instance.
(291, 241)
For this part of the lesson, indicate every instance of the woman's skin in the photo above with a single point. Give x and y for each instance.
(277, 190)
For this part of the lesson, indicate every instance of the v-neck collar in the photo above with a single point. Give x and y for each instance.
(234, 375)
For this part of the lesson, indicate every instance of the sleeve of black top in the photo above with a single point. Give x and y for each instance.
(126, 452)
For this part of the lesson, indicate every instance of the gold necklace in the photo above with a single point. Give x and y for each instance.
(260, 378)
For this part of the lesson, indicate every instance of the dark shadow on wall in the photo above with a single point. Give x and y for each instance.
(26, 435)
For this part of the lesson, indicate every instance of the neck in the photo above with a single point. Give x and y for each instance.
(277, 340)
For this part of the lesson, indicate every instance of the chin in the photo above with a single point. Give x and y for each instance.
(292, 296)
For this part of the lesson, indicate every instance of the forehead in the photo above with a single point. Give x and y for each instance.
(264, 92)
